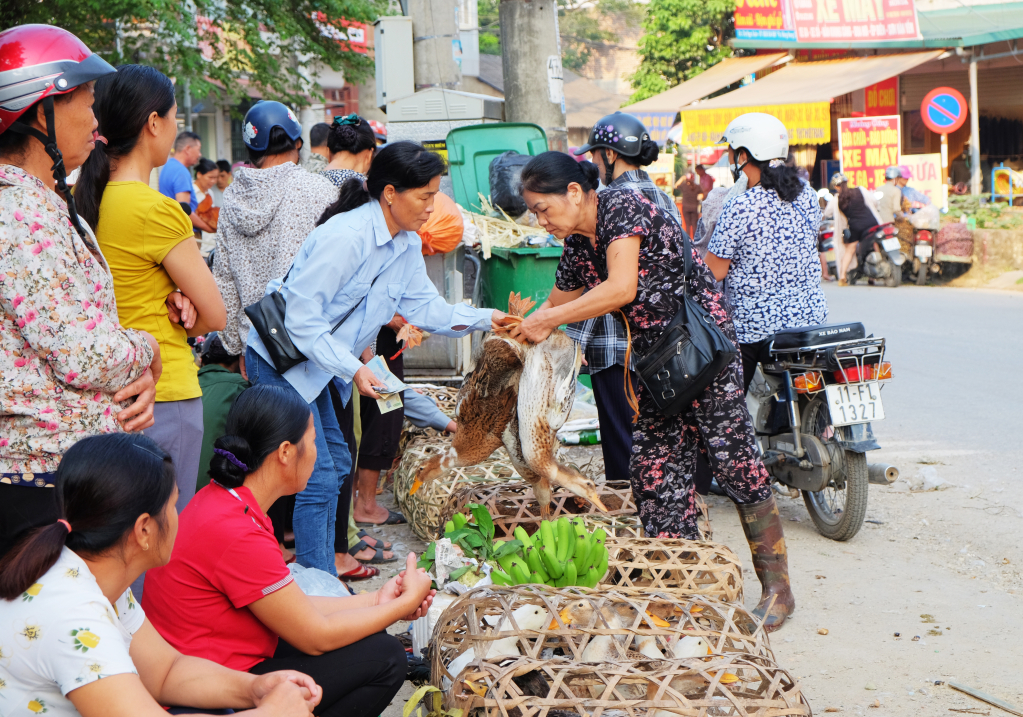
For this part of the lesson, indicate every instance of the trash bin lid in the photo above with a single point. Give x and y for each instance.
(471, 149)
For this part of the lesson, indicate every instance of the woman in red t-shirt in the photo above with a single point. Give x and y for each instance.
(227, 595)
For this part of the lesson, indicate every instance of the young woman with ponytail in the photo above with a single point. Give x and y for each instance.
(161, 282)
(226, 594)
(351, 144)
(75, 641)
(362, 265)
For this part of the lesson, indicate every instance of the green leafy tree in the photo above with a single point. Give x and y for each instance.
(579, 21)
(682, 39)
(218, 46)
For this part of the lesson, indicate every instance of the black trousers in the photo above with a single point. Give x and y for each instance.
(346, 421)
(381, 432)
(23, 507)
(615, 420)
(750, 358)
(359, 680)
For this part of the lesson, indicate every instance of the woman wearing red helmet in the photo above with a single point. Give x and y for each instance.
(69, 368)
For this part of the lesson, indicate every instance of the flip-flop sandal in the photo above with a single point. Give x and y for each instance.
(377, 558)
(392, 519)
(363, 572)
(383, 543)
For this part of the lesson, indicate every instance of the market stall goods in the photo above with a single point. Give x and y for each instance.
(643, 565)
(731, 685)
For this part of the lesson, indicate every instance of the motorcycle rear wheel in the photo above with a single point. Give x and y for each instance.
(895, 277)
(921, 275)
(837, 512)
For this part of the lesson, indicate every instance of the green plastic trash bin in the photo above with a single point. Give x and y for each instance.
(472, 148)
(529, 271)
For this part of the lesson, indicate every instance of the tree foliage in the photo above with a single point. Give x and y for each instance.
(682, 39)
(581, 23)
(219, 46)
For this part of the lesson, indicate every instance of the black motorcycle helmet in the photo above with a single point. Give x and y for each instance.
(624, 134)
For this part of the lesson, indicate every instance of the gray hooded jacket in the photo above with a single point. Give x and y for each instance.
(267, 214)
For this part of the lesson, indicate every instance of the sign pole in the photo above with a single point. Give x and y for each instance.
(944, 171)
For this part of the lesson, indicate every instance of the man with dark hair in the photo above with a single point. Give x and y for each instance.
(223, 182)
(176, 179)
(319, 155)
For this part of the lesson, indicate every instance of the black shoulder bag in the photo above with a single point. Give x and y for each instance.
(690, 353)
(267, 317)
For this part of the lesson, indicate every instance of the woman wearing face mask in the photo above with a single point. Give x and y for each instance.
(623, 252)
(765, 241)
(148, 241)
(75, 640)
(355, 271)
(69, 368)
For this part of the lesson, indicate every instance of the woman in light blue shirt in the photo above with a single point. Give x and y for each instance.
(365, 254)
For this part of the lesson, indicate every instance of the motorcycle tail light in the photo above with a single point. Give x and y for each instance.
(883, 372)
(924, 235)
(808, 382)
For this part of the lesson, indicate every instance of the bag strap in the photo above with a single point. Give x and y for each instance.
(803, 214)
(351, 310)
(630, 392)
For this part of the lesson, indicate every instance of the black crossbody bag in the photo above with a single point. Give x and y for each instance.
(690, 353)
(267, 318)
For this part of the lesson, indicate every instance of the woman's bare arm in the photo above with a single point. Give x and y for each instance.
(189, 272)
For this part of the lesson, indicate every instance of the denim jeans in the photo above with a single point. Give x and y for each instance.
(316, 506)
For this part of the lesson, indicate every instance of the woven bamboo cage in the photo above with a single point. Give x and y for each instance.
(513, 504)
(736, 684)
(432, 504)
(683, 566)
(538, 621)
(443, 395)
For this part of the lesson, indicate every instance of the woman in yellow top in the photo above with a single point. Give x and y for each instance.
(161, 283)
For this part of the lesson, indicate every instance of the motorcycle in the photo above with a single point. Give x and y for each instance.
(813, 399)
(885, 261)
(826, 245)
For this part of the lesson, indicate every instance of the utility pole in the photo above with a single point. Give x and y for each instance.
(188, 105)
(533, 79)
(976, 181)
(436, 44)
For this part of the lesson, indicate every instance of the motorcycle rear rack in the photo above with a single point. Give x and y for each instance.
(841, 355)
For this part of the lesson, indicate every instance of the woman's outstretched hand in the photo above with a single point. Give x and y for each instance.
(497, 320)
(365, 379)
(534, 328)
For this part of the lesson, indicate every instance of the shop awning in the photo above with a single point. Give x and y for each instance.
(706, 83)
(806, 88)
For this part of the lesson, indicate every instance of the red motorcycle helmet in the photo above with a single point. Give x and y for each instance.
(38, 62)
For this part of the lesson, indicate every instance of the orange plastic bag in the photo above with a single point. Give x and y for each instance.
(443, 230)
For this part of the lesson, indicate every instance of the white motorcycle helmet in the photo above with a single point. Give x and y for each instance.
(762, 135)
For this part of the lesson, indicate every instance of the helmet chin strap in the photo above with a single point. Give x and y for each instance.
(49, 141)
(609, 168)
(737, 169)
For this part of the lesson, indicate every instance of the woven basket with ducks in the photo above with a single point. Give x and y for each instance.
(433, 503)
(728, 685)
(492, 624)
(513, 504)
(688, 567)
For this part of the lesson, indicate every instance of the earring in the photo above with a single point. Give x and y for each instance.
(145, 547)
(388, 202)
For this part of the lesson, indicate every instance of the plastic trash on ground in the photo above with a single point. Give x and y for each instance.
(317, 583)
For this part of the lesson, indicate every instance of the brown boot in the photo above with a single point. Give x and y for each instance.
(762, 525)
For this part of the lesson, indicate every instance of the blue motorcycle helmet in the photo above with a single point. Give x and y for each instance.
(260, 120)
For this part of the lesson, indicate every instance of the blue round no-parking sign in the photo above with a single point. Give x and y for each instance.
(943, 110)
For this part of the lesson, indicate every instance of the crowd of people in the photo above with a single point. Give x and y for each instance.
(111, 429)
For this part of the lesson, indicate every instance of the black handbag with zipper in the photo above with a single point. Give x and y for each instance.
(267, 317)
(690, 353)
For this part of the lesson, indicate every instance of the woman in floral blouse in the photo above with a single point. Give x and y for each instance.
(68, 369)
(626, 253)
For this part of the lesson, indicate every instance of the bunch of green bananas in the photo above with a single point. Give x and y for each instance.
(561, 553)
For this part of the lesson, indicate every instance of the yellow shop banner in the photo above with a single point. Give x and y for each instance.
(807, 123)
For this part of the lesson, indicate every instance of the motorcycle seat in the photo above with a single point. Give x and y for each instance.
(791, 339)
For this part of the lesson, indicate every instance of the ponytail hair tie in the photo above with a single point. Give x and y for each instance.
(352, 120)
(65, 524)
(231, 457)
(776, 163)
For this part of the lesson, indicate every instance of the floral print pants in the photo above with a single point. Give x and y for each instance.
(664, 453)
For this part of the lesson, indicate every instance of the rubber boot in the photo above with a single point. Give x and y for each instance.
(762, 525)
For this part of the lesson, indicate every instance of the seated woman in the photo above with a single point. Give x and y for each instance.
(74, 640)
(227, 595)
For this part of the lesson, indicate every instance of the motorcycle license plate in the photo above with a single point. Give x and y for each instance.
(923, 251)
(855, 403)
(890, 244)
